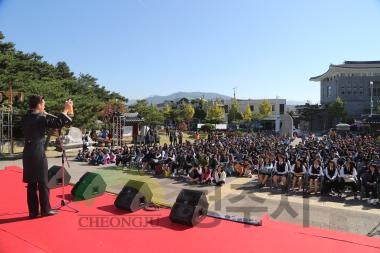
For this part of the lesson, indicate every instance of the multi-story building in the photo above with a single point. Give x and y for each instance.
(355, 82)
(273, 121)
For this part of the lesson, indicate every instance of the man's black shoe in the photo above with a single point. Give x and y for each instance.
(33, 215)
(50, 213)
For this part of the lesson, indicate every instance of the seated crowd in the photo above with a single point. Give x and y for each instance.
(97, 156)
(315, 166)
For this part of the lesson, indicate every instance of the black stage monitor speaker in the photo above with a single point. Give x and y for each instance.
(55, 177)
(90, 185)
(134, 196)
(190, 207)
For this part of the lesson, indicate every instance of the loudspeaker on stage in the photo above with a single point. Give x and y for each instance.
(190, 207)
(90, 185)
(55, 177)
(134, 196)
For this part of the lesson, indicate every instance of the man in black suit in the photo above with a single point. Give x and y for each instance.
(35, 173)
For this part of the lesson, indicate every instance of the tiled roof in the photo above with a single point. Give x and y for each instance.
(350, 67)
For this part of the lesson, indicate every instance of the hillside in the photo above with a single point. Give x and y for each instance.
(190, 95)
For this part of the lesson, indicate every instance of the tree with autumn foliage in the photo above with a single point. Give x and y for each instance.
(111, 108)
(247, 114)
(265, 108)
(215, 114)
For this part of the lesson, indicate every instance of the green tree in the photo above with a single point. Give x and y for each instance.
(167, 111)
(141, 106)
(308, 112)
(6, 46)
(265, 108)
(200, 113)
(63, 70)
(153, 116)
(215, 114)
(378, 107)
(188, 112)
(257, 116)
(207, 127)
(28, 73)
(247, 115)
(336, 110)
(176, 115)
(234, 114)
(200, 109)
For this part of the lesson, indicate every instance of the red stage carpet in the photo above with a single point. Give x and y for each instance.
(99, 227)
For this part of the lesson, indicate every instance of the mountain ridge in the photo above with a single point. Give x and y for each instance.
(156, 99)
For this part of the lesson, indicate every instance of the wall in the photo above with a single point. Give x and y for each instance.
(354, 90)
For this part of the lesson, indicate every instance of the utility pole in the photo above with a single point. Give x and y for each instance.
(234, 115)
(371, 102)
(11, 123)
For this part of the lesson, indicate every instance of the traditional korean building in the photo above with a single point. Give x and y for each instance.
(353, 82)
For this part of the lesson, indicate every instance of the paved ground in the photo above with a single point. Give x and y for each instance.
(240, 195)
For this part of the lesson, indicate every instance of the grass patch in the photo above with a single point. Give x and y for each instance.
(117, 177)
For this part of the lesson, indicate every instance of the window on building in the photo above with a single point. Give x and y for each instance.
(225, 108)
(354, 90)
(252, 107)
(342, 90)
(329, 90)
(348, 90)
(361, 90)
(282, 108)
(273, 108)
(376, 89)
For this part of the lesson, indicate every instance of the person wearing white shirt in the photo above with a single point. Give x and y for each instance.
(315, 172)
(330, 178)
(220, 176)
(298, 172)
(280, 172)
(265, 171)
(348, 175)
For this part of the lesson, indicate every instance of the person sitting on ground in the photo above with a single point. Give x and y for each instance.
(280, 172)
(85, 141)
(265, 171)
(166, 171)
(100, 158)
(195, 174)
(106, 156)
(220, 176)
(298, 171)
(330, 179)
(206, 176)
(112, 157)
(315, 173)
(230, 165)
(370, 182)
(248, 168)
(92, 160)
(348, 176)
(80, 155)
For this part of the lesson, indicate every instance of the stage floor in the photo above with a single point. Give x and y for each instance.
(100, 227)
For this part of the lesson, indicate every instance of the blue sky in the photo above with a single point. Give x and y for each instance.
(265, 48)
